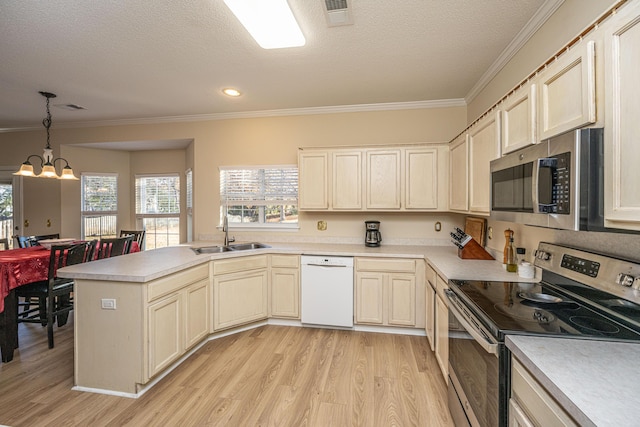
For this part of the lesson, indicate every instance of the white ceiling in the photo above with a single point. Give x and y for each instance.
(137, 60)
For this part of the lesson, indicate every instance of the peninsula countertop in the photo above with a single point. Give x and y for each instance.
(145, 266)
(596, 382)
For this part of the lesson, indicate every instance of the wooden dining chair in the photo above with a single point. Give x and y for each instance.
(117, 246)
(54, 294)
(4, 243)
(46, 237)
(138, 235)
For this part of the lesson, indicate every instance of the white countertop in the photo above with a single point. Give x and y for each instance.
(597, 382)
(149, 265)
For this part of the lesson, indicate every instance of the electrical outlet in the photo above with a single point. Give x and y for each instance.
(322, 225)
(108, 303)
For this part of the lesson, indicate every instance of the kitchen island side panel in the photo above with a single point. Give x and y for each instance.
(109, 343)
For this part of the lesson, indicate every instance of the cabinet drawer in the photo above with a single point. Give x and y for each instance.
(239, 264)
(285, 261)
(431, 276)
(386, 264)
(171, 283)
(441, 286)
(535, 401)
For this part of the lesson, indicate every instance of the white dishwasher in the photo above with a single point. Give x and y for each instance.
(327, 290)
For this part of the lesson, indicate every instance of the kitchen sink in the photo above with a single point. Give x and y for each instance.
(247, 246)
(211, 250)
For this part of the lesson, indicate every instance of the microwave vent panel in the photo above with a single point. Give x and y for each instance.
(337, 13)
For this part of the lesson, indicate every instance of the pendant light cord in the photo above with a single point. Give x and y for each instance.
(47, 121)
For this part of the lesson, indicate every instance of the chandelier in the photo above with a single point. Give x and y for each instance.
(47, 162)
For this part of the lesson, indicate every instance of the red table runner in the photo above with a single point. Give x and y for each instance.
(21, 266)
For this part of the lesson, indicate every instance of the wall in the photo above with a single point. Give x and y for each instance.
(253, 141)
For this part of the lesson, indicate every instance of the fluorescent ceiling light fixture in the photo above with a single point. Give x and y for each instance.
(270, 22)
(231, 92)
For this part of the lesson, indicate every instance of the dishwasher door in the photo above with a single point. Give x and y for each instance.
(327, 290)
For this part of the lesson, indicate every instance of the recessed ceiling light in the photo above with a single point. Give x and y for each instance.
(231, 92)
(270, 22)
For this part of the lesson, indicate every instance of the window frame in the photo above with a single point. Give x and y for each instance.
(84, 214)
(264, 226)
(140, 217)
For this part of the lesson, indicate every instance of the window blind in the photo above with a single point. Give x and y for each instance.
(99, 193)
(259, 186)
(157, 195)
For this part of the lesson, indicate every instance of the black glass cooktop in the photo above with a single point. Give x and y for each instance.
(544, 309)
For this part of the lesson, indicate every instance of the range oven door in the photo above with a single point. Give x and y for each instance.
(474, 369)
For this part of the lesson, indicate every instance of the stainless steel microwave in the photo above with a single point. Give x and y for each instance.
(557, 183)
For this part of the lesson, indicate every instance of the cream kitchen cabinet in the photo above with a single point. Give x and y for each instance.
(459, 174)
(240, 291)
(389, 292)
(622, 110)
(176, 323)
(430, 306)
(383, 175)
(285, 286)
(442, 327)
(519, 118)
(484, 146)
(567, 98)
(531, 404)
(421, 178)
(313, 180)
(346, 180)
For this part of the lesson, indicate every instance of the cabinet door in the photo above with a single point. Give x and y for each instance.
(383, 179)
(239, 298)
(165, 333)
(196, 310)
(430, 312)
(517, 417)
(347, 180)
(285, 293)
(313, 177)
(622, 127)
(567, 91)
(442, 336)
(421, 178)
(484, 146)
(458, 174)
(402, 299)
(369, 298)
(519, 119)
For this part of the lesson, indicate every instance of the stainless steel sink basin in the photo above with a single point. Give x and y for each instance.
(247, 246)
(211, 250)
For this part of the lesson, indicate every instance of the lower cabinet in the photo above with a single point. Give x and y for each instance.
(442, 327)
(176, 323)
(430, 307)
(531, 404)
(285, 286)
(240, 291)
(386, 292)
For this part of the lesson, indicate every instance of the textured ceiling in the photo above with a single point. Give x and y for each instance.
(143, 59)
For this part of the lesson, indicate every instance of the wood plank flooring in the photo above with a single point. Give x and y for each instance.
(269, 376)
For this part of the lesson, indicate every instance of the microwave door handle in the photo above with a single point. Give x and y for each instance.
(535, 180)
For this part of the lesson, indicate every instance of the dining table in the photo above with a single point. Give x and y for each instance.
(19, 267)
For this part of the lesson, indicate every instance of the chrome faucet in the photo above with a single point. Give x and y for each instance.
(225, 229)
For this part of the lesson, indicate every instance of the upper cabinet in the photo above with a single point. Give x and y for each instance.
(313, 178)
(484, 146)
(568, 91)
(383, 179)
(392, 178)
(459, 174)
(519, 118)
(622, 110)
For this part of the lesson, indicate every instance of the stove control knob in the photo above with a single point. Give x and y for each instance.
(542, 255)
(625, 279)
(636, 283)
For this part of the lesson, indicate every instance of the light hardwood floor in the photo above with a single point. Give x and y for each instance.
(269, 376)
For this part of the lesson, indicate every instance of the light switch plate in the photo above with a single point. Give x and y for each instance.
(108, 303)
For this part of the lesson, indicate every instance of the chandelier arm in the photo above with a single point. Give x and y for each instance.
(60, 158)
(36, 156)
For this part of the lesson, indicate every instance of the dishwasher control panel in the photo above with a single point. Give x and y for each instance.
(327, 261)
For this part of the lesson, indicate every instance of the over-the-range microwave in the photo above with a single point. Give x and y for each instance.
(557, 183)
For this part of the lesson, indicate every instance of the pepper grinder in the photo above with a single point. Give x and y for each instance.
(508, 236)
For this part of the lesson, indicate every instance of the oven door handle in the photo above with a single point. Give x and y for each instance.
(485, 341)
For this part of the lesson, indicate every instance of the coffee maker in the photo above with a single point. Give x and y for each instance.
(372, 235)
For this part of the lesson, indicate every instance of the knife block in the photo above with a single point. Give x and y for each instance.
(473, 250)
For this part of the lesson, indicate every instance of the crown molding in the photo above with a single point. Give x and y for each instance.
(389, 106)
(541, 16)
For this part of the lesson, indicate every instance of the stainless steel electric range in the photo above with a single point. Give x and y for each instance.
(582, 295)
